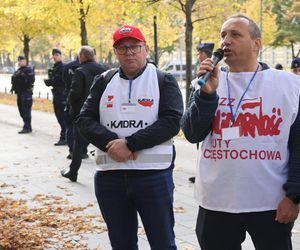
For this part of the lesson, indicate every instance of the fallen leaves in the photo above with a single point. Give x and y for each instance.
(49, 222)
(179, 210)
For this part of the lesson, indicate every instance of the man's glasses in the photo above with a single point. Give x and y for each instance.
(134, 49)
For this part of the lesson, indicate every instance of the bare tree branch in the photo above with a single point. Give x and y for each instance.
(202, 19)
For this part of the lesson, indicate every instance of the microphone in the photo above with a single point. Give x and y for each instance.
(216, 58)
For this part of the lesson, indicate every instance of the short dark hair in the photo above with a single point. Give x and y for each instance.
(253, 28)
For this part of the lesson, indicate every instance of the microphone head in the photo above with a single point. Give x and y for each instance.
(219, 53)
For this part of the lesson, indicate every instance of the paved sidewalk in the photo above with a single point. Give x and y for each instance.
(31, 163)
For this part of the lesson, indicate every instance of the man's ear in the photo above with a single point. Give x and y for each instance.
(147, 48)
(257, 45)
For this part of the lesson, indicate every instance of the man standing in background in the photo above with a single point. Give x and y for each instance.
(80, 88)
(22, 84)
(204, 51)
(68, 72)
(296, 66)
(56, 82)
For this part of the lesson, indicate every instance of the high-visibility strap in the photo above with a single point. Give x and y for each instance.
(142, 158)
(168, 142)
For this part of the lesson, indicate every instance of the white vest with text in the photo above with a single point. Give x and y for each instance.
(246, 174)
(125, 117)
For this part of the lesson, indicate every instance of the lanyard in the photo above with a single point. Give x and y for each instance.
(129, 92)
(233, 116)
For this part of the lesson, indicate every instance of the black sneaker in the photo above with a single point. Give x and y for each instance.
(192, 179)
(69, 175)
(61, 143)
(25, 131)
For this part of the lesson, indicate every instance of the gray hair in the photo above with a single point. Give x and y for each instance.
(253, 28)
(88, 52)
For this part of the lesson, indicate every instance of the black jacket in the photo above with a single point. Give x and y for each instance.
(55, 78)
(22, 80)
(81, 83)
(167, 125)
(67, 74)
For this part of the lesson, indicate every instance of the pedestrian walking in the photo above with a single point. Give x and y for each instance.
(68, 72)
(80, 88)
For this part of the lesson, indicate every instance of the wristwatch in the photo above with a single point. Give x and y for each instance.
(294, 198)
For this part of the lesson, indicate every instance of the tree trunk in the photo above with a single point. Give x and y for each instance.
(293, 49)
(188, 47)
(83, 31)
(26, 41)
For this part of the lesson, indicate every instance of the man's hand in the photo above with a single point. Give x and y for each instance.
(287, 211)
(118, 151)
(212, 83)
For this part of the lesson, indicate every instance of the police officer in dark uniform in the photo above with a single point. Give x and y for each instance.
(56, 82)
(22, 84)
(295, 66)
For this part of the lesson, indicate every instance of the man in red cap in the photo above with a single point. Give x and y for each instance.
(131, 118)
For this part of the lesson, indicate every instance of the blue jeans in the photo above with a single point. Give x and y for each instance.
(122, 194)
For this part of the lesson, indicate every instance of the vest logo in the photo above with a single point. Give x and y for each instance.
(146, 102)
(251, 118)
(109, 103)
(127, 124)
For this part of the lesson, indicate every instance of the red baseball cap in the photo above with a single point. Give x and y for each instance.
(127, 31)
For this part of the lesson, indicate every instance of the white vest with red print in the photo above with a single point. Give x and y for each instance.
(142, 113)
(247, 174)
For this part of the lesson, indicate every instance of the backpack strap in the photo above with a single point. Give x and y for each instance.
(109, 75)
(160, 77)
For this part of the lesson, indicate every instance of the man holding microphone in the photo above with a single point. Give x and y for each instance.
(249, 170)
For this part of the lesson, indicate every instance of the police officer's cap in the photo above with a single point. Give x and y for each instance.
(205, 46)
(56, 51)
(21, 58)
(279, 66)
(295, 63)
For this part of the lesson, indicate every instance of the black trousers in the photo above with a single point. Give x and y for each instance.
(79, 148)
(226, 231)
(24, 101)
(59, 106)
